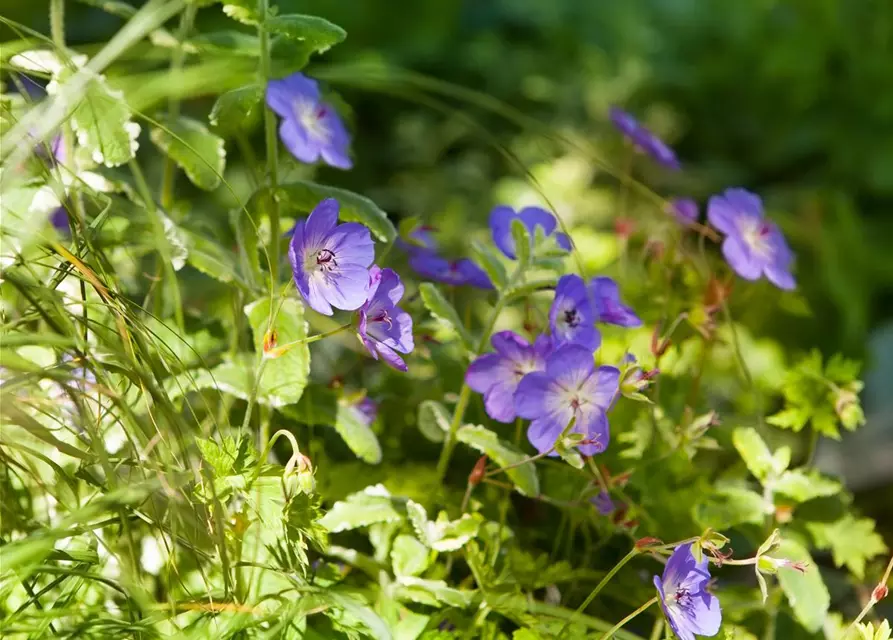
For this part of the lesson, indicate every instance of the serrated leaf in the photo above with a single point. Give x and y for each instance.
(491, 264)
(756, 455)
(852, 541)
(371, 505)
(245, 11)
(482, 439)
(350, 423)
(805, 485)
(316, 33)
(794, 418)
(409, 557)
(443, 311)
(806, 592)
(237, 109)
(102, 123)
(196, 150)
(730, 506)
(304, 196)
(433, 420)
(442, 534)
(284, 377)
(522, 241)
(434, 593)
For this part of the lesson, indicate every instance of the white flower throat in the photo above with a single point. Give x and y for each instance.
(311, 115)
(755, 234)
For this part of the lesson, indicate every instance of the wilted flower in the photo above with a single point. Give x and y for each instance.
(688, 606)
(603, 503)
(330, 261)
(753, 245)
(311, 129)
(383, 327)
(608, 307)
(496, 375)
(571, 317)
(454, 272)
(501, 219)
(685, 210)
(643, 139)
(571, 387)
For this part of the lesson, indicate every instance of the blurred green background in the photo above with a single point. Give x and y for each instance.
(790, 98)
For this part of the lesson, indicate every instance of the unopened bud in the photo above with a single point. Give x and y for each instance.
(648, 541)
(770, 565)
(880, 592)
(477, 473)
(298, 476)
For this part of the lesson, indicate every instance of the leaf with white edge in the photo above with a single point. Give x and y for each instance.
(442, 534)
(730, 506)
(409, 557)
(284, 377)
(304, 196)
(362, 610)
(433, 420)
(443, 311)
(435, 593)
(502, 453)
(244, 11)
(350, 423)
(852, 541)
(806, 485)
(754, 452)
(102, 121)
(806, 592)
(237, 109)
(369, 506)
(314, 32)
(176, 241)
(196, 150)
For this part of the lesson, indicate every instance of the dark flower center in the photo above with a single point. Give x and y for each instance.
(383, 316)
(325, 260)
(682, 597)
(572, 318)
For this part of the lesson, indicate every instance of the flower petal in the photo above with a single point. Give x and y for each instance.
(739, 257)
(482, 373)
(351, 243)
(281, 94)
(570, 365)
(499, 401)
(501, 227)
(534, 395)
(295, 139)
(347, 287)
(320, 223)
(593, 425)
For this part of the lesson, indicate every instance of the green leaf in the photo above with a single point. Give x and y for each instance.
(304, 196)
(316, 33)
(852, 541)
(531, 287)
(521, 238)
(434, 593)
(196, 150)
(805, 485)
(442, 534)
(794, 418)
(225, 43)
(433, 420)
(210, 258)
(102, 123)
(443, 311)
(491, 264)
(806, 592)
(369, 506)
(245, 11)
(237, 109)
(409, 557)
(754, 452)
(482, 439)
(730, 506)
(226, 457)
(284, 377)
(351, 426)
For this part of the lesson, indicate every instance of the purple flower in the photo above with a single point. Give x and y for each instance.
(571, 317)
(685, 210)
(753, 246)
(643, 139)
(419, 239)
(455, 272)
(496, 375)
(689, 607)
(501, 219)
(330, 261)
(608, 307)
(603, 503)
(367, 409)
(311, 129)
(570, 387)
(383, 327)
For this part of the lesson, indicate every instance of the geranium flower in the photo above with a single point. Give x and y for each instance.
(330, 261)
(431, 266)
(643, 139)
(496, 375)
(311, 129)
(608, 307)
(383, 327)
(684, 209)
(501, 219)
(571, 317)
(753, 246)
(689, 607)
(570, 387)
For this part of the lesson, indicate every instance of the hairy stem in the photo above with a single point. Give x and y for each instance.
(272, 146)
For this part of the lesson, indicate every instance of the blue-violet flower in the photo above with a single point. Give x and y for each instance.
(643, 139)
(383, 327)
(571, 317)
(501, 219)
(689, 607)
(608, 307)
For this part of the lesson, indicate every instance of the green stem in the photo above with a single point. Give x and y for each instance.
(252, 399)
(169, 174)
(601, 585)
(610, 633)
(271, 143)
(657, 629)
(282, 349)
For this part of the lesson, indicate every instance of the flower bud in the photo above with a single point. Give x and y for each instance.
(298, 476)
(880, 592)
(647, 541)
(477, 473)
